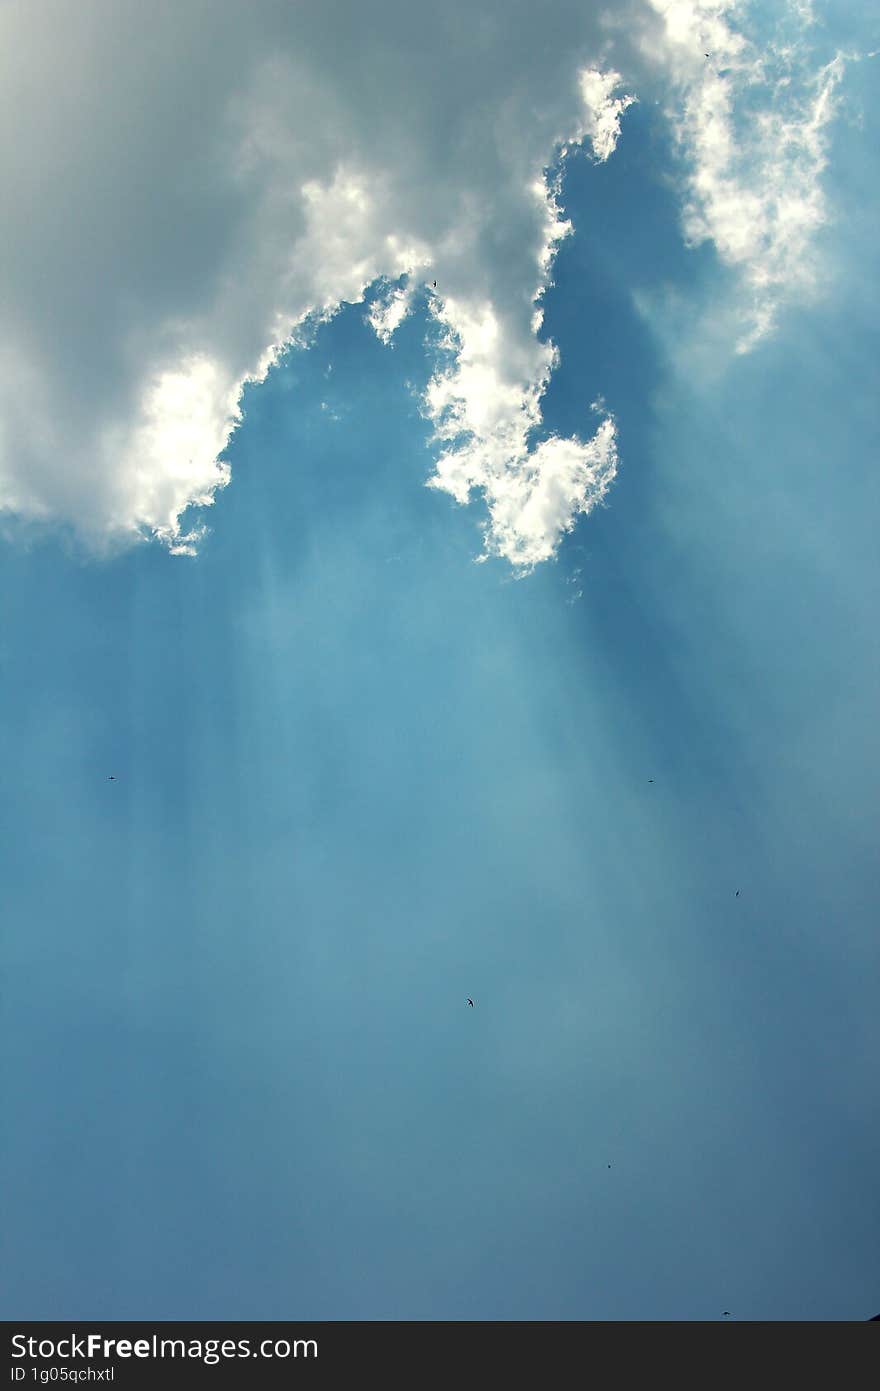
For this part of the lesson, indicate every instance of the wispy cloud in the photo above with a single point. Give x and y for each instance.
(751, 109)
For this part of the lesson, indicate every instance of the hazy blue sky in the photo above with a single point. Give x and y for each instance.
(359, 777)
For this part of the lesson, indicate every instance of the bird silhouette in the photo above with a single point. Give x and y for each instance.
(726, 1314)
(111, 778)
(435, 284)
(470, 1002)
(650, 779)
(736, 895)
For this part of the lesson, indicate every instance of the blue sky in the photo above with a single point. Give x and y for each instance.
(359, 777)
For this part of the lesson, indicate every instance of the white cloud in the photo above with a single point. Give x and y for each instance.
(538, 497)
(485, 406)
(751, 122)
(390, 308)
(604, 110)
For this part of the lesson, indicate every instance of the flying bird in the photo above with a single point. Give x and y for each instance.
(111, 778)
(435, 284)
(726, 1314)
(650, 779)
(736, 895)
(470, 1002)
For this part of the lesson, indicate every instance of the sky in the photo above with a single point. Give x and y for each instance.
(367, 646)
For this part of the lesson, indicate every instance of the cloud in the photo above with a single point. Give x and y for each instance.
(751, 122)
(390, 308)
(196, 185)
(539, 496)
(603, 110)
(487, 403)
